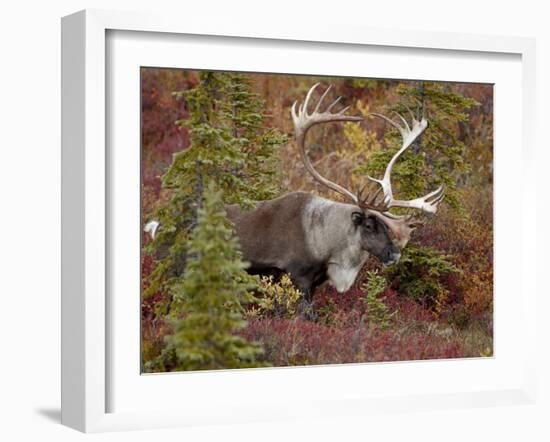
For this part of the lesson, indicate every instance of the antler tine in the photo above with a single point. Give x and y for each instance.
(369, 201)
(308, 96)
(411, 113)
(435, 197)
(403, 120)
(361, 190)
(343, 111)
(389, 120)
(331, 105)
(327, 90)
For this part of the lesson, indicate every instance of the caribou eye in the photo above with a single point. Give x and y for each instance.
(357, 218)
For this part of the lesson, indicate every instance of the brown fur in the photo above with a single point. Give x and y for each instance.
(269, 241)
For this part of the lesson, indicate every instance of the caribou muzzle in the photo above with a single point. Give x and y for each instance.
(391, 256)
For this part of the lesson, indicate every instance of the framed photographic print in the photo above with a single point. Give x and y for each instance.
(250, 214)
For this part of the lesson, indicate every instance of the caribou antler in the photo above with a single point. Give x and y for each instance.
(303, 121)
(427, 203)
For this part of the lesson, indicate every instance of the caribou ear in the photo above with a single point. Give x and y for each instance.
(357, 218)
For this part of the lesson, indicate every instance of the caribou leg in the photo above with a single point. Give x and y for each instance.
(307, 284)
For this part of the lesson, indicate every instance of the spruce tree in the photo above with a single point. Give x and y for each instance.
(377, 311)
(258, 177)
(209, 299)
(231, 146)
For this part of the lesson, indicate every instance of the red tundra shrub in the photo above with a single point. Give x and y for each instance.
(300, 342)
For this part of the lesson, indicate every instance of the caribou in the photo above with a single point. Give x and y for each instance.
(314, 239)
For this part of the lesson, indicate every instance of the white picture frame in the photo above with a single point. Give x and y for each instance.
(86, 310)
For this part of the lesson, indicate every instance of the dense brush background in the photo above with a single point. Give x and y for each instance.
(437, 304)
